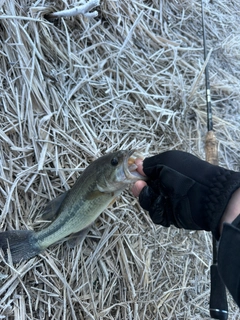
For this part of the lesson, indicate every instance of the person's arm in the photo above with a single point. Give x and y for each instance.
(232, 209)
(229, 245)
(190, 193)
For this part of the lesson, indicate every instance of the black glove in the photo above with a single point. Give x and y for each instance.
(187, 192)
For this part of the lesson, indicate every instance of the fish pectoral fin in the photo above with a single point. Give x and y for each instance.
(94, 194)
(50, 212)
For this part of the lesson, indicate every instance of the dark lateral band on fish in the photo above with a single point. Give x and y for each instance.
(96, 188)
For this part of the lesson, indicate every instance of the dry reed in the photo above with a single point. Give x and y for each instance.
(75, 88)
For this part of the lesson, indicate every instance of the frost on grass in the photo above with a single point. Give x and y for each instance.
(84, 9)
(72, 90)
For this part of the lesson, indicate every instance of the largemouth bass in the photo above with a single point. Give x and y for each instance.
(96, 188)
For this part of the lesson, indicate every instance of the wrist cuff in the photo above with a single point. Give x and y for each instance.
(221, 188)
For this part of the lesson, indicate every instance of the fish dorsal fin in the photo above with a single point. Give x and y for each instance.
(50, 212)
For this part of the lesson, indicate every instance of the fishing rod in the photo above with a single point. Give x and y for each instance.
(218, 297)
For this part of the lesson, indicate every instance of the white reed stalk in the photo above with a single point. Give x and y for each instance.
(82, 9)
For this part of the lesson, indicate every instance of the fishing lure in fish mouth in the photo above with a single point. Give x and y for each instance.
(96, 188)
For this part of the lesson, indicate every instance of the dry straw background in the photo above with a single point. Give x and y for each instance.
(75, 88)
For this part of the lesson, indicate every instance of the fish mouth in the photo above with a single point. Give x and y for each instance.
(130, 167)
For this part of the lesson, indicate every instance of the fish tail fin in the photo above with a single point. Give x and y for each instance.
(23, 244)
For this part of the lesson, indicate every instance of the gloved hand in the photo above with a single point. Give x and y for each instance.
(187, 192)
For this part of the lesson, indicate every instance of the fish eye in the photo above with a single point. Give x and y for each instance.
(114, 162)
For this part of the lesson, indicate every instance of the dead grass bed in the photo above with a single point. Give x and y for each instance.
(75, 88)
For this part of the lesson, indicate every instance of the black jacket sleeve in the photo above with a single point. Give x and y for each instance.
(229, 258)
